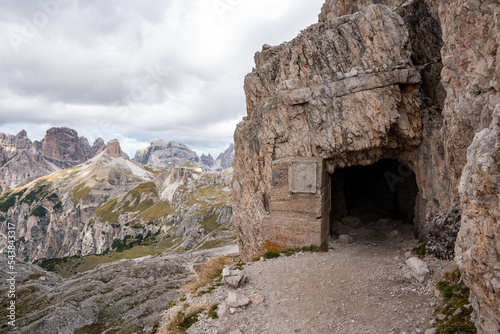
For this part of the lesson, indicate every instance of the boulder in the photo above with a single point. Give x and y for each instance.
(419, 269)
(235, 299)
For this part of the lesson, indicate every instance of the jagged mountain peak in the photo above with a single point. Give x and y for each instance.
(22, 134)
(114, 149)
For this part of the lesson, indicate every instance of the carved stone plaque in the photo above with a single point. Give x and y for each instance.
(302, 177)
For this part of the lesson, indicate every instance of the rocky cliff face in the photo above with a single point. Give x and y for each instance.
(21, 161)
(414, 82)
(124, 296)
(65, 149)
(86, 209)
(225, 159)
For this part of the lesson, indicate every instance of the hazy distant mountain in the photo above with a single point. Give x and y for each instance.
(224, 160)
(168, 156)
(22, 161)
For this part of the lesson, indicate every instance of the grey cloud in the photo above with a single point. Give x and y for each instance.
(143, 69)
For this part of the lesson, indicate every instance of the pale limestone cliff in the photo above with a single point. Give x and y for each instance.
(335, 96)
(346, 92)
(478, 245)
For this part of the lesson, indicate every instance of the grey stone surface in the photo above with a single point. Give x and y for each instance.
(419, 269)
(302, 178)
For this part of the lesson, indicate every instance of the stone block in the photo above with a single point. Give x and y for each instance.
(303, 177)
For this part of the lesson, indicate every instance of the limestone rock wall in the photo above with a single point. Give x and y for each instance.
(344, 91)
(478, 247)
(471, 77)
(412, 81)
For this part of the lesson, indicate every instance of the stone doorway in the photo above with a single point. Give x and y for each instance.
(374, 200)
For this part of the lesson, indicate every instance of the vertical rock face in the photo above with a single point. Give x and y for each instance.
(21, 161)
(114, 149)
(413, 82)
(65, 149)
(471, 77)
(478, 247)
(345, 92)
(98, 145)
(207, 160)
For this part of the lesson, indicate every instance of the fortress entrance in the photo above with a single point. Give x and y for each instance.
(371, 196)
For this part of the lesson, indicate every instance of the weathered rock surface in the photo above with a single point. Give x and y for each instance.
(478, 246)
(225, 159)
(22, 161)
(207, 160)
(419, 269)
(414, 82)
(124, 296)
(168, 156)
(235, 299)
(304, 100)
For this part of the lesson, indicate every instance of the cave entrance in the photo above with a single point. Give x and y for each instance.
(371, 196)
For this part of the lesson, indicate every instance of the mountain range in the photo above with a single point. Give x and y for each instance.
(111, 203)
(23, 160)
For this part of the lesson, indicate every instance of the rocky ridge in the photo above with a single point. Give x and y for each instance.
(64, 148)
(127, 295)
(111, 201)
(23, 161)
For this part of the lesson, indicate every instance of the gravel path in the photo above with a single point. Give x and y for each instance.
(364, 287)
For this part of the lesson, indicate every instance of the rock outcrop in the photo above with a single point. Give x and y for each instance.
(65, 149)
(207, 160)
(345, 92)
(174, 154)
(123, 296)
(378, 79)
(21, 161)
(225, 159)
(478, 247)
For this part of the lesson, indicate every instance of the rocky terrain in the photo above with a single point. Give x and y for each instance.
(366, 286)
(121, 297)
(414, 82)
(112, 203)
(168, 156)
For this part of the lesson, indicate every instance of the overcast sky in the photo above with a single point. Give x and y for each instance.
(137, 70)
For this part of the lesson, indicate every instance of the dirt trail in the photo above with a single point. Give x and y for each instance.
(364, 287)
